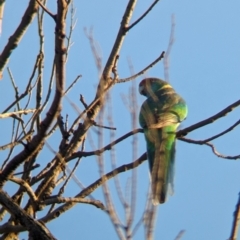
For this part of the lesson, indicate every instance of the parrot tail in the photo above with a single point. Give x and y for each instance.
(162, 172)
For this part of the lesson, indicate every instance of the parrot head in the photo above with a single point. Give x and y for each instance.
(148, 86)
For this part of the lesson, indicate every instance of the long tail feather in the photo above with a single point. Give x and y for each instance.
(162, 172)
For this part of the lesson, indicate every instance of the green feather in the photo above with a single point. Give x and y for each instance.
(160, 116)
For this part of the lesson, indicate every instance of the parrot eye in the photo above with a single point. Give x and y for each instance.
(141, 88)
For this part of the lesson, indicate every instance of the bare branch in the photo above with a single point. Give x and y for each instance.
(94, 186)
(106, 177)
(209, 120)
(29, 170)
(36, 229)
(101, 126)
(95, 203)
(18, 34)
(72, 84)
(73, 23)
(95, 49)
(149, 219)
(71, 175)
(83, 101)
(12, 144)
(213, 137)
(211, 146)
(144, 15)
(142, 71)
(220, 155)
(29, 88)
(236, 221)
(47, 11)
(13, 114)
(117, 45)
(180, 235)
(108, 147)
(114, 69)
(167, 55)
(26, 186)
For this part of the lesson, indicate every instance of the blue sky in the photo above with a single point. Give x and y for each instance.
(204, 70)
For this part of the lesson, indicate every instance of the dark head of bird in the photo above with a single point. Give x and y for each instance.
(151, 85)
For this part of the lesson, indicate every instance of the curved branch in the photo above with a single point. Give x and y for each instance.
(47, 11)
(211, 146)
(213, 137)
(209, 120)
(144, 15)
(57, 212)
(220, 155)
(142, 71)
(26, 186)
(108, 147)
(95, 203)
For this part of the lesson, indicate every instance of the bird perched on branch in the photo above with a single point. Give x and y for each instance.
(160, 116)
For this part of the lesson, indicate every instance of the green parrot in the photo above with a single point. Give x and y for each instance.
(160, 116)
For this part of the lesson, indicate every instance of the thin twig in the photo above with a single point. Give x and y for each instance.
(71, 85)
(211, 146)
(29, 88)
(113, 152)
(106, 192)
(217, 135)
(112, 174)
(26, 186)
(142, 71)
(29, 170)
(55, 200)
(101, 126)
(236, 221)
(180, 235)
(95, 49)
(108, 147)
(145, 14)
(70, 172)
(12, 144)
(114, 69)
(134, 120)
(166, 59)
(47, 11)
(72, 26)
(82, 100)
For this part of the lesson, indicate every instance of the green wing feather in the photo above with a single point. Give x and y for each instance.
(160, 116)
